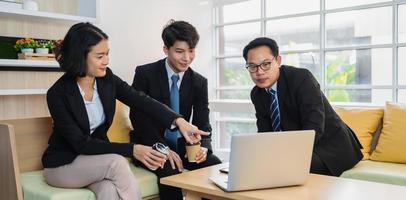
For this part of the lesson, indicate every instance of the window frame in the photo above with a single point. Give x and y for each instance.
(322, 50)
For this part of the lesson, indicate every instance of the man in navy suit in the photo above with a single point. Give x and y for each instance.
(289, 98)
(171, 81)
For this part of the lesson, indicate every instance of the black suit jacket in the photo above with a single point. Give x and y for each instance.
(71, 128)
(303, 106)
(153, 80)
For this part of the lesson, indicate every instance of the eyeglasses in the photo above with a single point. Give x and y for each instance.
(265, 66)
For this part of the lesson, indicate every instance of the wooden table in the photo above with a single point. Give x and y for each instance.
(196, 184)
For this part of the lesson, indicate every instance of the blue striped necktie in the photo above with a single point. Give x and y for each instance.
(275, 115)
(171, 137)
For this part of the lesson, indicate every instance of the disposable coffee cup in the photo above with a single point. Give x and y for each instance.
(161, 148)
(192, 150)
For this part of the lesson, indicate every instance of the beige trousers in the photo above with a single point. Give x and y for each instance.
(107, 175)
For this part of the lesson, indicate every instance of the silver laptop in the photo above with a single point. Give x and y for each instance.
(266, 160)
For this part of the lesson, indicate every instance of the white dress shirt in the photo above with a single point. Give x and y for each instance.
(170, 72)
(94, 109)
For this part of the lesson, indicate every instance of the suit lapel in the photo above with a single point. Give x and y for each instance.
(282, 94)
(106, 97)
(185, 90)
(163, 82)
(266, 101)
(77, 104)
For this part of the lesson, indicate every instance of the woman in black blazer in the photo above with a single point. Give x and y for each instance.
(82, 105)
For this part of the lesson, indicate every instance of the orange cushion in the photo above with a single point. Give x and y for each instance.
(364, 122)
(392, 141)
(121, 126)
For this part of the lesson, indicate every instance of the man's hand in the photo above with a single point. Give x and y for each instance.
(201, 156)
(148, 156)
(174, 159)
(190, 132)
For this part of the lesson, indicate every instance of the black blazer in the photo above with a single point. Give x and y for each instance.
(153, 80)
(304, 107)
(71, 128)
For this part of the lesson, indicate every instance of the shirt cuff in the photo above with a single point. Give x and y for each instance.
(173, 125)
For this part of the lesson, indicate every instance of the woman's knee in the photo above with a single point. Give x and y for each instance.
(119, 164)
(105, 190)
(118, 160)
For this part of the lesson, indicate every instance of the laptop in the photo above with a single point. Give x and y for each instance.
(267, 160)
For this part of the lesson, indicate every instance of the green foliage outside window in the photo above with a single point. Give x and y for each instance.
(235, 128)
(340, 72)
(234, 77)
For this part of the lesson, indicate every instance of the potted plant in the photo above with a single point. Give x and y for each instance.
(25, 45)
(43, 46)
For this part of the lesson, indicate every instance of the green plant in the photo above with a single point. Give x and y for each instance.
(25, 43)
(44, 44)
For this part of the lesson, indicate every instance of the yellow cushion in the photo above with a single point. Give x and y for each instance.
(364, 122)
(121, 126)
(392, 141)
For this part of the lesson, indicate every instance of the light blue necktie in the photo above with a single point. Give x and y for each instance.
(275, 115)
(172, 136)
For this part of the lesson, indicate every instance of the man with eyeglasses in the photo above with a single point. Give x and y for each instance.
(288, 98)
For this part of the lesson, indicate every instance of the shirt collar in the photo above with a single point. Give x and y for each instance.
(95, 85)
(170, 72)
(274, 87)
(95, 93)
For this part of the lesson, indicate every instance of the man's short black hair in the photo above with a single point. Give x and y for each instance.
(180, 31)
(261, 41)
(79, 40)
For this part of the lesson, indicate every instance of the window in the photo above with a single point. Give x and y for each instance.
(240, 11)
(233, 123)
(332, 4)
(402, 23)
(289, 7)
(402, 96)
(359, 27)
(354, 48)
(297, 33)
(359, 67)
(232, 38)
(402, 66)
(309, 60)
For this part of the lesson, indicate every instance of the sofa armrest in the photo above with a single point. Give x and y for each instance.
(10, 186)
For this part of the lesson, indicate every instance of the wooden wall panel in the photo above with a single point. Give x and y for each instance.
(17, 26)
(25, 80)
(23, 106)
(34, 28)
(60, 6)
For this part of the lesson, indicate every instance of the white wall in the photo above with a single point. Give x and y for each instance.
(135, 26)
